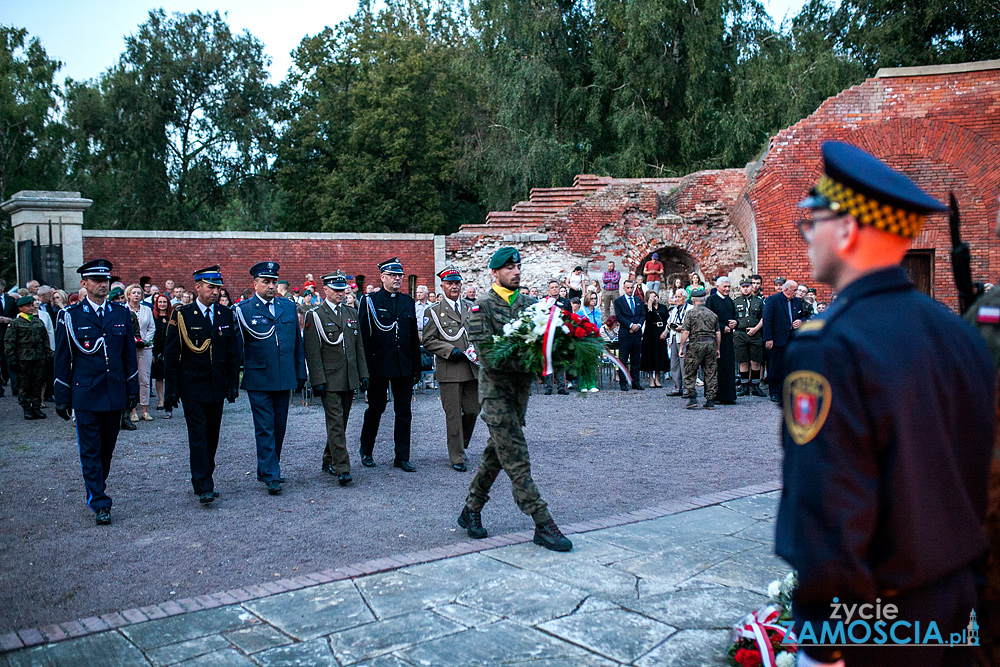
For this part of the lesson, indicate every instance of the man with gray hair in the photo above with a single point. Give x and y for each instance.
(723, 306)
(782, 314)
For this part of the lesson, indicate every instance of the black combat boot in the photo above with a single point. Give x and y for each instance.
(29, 414)
(39, 414)
(548, 535)
(709, 405)
(472, 522)
(692, 403)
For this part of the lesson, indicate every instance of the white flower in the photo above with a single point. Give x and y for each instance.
(774, 590)
(508, 329)
(565, 329)
(785, 659)
(789, 584)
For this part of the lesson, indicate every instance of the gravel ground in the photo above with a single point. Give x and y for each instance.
(592, 456)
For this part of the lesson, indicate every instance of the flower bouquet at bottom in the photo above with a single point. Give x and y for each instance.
(761, 638)
(545, 338)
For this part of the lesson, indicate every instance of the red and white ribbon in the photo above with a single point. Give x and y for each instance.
(621, 367)
(755, 626)
(548, 340)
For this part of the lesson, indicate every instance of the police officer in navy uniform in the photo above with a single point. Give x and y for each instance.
(201, 359)
(273, 365)
(97, 376)
(388, 321)
(888, 426)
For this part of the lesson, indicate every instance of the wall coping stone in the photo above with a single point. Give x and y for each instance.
(932, 70)
(264, 236)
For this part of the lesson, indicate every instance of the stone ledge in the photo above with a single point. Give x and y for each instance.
(93, 625)
(932, 70)
(261, 236)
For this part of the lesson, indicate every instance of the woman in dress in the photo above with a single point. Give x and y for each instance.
(676, 285)
(161, 317)
(577, 280)
(695, 284)
(655, 358)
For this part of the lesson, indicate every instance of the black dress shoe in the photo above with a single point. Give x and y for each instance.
(472, 522)
(460, 467)
(775, 398)
(638, 387)
(344, 478)
(563, 392)
(103, 517)
(128, 425)
(623, 386)
(405, 466)
(548, 391)
(39, 414)
(29, 414)
(206, 498)
(549, 536)
(757, 391)
(215, 494)
(327, 467)
(274, 488)
(675, 393)
(367, 461)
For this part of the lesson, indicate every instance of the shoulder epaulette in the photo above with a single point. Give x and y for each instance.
(811, 327)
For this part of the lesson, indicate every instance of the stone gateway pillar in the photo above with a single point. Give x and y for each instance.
(48, 236)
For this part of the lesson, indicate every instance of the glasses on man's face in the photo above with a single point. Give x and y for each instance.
(807, 226)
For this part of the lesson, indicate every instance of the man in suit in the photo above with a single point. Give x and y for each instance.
(722, 305)
(389, 332)
(8, 311)
(274, 364)
(631, 314)
(96, 375)
(445, 335)
(782, 315)
(201, 361)
(337, 366)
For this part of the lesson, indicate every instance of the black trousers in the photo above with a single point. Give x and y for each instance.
(97, 433)
(204, 421)
(378, 396)
(629, 350)
(775, 370)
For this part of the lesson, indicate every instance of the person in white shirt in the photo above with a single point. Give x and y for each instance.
(143, 347)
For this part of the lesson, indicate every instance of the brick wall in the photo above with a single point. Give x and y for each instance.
(940, 126)
(164, 255)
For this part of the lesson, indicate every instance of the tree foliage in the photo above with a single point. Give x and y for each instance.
(422, 115)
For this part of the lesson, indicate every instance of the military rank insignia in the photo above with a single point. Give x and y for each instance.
(806, 404)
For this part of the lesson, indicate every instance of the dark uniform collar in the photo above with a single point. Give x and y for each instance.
(884, 280)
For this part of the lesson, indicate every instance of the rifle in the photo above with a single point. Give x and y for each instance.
(961, 259)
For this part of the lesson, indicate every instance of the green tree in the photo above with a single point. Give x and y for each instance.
(30, 137)
(181, 126)
(376, 107)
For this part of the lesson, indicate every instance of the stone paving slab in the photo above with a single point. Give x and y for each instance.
(659, 591)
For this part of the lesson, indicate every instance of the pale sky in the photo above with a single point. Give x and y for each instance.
(88, 36)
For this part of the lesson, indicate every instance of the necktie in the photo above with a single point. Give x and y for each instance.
(631, 304)
(270, 307)
(790, 318)
(100, 314)
(208, 314)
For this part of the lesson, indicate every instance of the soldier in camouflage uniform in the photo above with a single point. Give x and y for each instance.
(985, 316)
(27, 348)
(503, 397)
(699, 346)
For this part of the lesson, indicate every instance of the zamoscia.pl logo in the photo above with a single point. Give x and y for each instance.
(876, 625)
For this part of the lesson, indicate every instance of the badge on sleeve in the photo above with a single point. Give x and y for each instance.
(806, 404)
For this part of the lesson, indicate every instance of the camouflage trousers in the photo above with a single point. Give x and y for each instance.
(30, 380)
(507, 450)
(700, 354)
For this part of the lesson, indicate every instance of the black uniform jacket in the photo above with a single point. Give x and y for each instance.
(888, 437)
(389, 334)
(209, 375)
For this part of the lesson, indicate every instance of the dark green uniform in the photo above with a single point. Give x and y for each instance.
(503, 397)
(335, 357)
(700, 350)
(749, 311)
(985, 316)
(27, 348)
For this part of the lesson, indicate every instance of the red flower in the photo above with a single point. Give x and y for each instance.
(580, 332)
(749, 658)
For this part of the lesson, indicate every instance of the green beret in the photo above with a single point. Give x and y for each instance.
(699, 294)
(503, 256)
(25, 301)
(115, 292)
